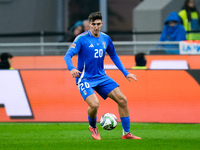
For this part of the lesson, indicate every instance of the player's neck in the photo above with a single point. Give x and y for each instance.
(96, 35)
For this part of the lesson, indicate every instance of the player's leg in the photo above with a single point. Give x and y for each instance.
(121, 100)
(109, 88)
(93, 103)
(89, 96)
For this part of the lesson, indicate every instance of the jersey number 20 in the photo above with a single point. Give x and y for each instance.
(98, 53)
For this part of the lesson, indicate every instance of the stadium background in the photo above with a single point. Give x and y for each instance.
(159, 95)
(124, 17)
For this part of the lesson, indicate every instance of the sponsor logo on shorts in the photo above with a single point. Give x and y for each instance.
(85, 93)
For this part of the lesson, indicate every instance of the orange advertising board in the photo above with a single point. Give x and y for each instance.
(57, 62)
(169, 96)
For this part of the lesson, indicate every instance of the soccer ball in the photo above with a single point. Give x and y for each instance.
(108, 121)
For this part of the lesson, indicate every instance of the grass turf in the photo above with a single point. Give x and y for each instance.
(76, 136)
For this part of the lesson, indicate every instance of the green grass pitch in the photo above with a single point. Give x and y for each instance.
(76, 136)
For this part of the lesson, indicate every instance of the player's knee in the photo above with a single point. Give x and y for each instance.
(95, 106)
(122, 102)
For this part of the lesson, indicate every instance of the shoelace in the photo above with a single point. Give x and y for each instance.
(95, 131)
(129, 134)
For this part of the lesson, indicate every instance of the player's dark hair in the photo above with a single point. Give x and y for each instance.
(95, 16)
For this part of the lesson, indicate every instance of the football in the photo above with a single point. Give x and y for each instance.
(108, 121)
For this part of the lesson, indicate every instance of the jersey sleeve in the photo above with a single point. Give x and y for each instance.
(115, 58)
(73, 50)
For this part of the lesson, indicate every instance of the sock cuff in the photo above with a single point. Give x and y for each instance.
(125, 118)
(125, 123)
(92, 122)
(91, 118)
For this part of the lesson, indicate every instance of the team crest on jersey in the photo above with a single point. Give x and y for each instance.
(73, 45)
(104, 45)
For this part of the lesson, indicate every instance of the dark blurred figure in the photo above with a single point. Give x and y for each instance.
(173, 29)
(190, 19)
(6, 61)
(75, 30)
(140, 61)
(86, 25)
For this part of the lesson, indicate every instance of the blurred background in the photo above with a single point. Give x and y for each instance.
(43, 21)
(56, 16)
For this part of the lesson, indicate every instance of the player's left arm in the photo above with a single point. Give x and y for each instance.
(115, 58)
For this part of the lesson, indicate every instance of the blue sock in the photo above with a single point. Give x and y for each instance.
(92, 122)
(125, 123)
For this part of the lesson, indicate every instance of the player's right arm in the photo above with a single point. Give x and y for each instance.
(73, 50)
(68, 57)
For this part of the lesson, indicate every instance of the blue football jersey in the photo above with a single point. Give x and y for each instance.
(91, 53)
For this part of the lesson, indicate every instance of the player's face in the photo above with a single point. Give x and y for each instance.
(95, 27)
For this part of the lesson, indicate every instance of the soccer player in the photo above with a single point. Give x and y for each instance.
(90, 75)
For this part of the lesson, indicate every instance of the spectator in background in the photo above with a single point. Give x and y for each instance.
(86, 25)
(140, 61)
(173, 31)
(6, 61)
(190, 19)
(75, 30)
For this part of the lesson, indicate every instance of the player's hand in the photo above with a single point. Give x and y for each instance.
(131, 76)
(75, 73)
